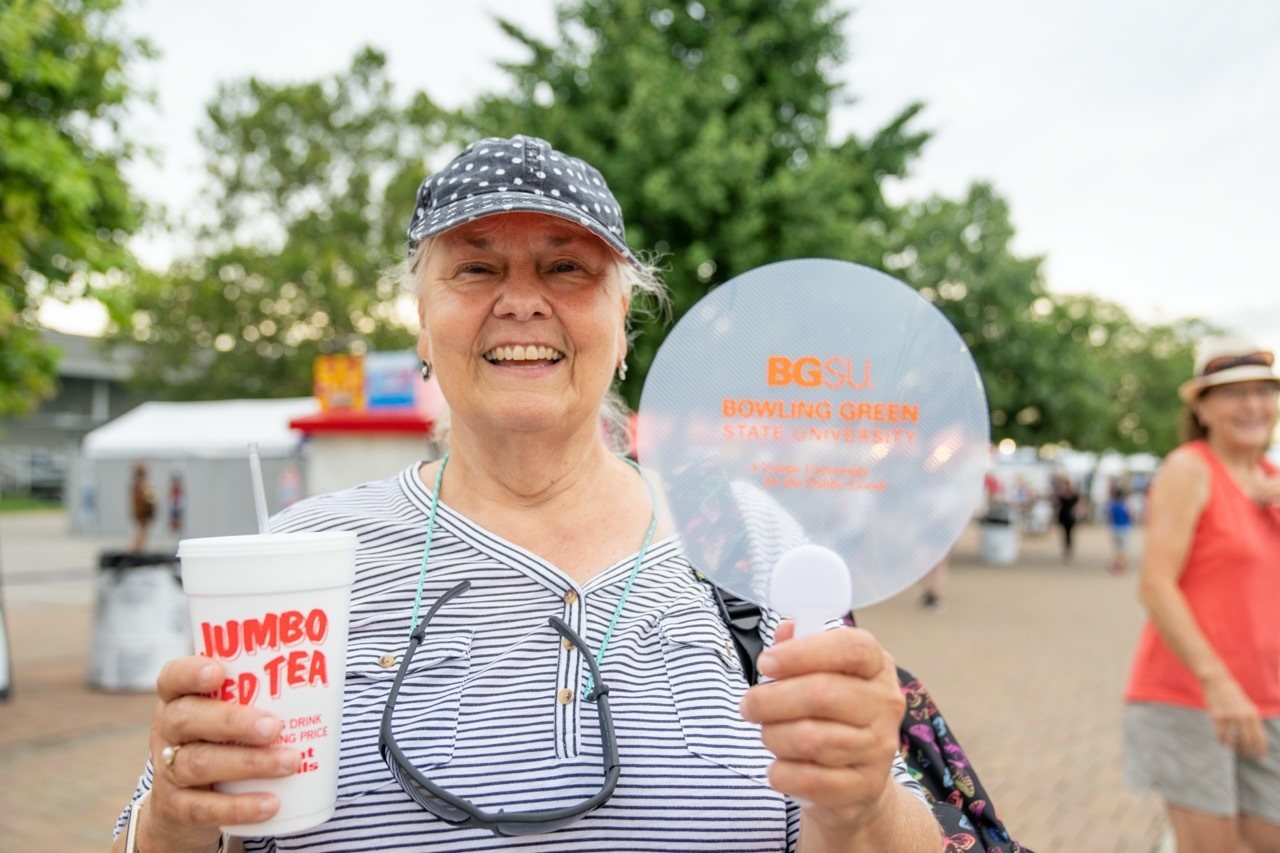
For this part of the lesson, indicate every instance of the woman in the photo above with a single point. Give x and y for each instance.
(142, 498)
(524, 282)
(1202, 724)
(1068, 505)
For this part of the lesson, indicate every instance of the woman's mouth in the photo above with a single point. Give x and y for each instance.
(523, 354)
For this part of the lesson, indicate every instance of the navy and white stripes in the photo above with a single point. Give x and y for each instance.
(492, 707)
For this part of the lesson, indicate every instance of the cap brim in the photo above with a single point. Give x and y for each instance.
(470, 209)
(1192, 388)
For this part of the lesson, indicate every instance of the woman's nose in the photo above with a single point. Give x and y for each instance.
(521, 295)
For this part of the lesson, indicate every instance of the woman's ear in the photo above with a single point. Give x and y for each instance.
(424, 342)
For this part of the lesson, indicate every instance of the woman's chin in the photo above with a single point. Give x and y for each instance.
(526, 418)
(1251, 435)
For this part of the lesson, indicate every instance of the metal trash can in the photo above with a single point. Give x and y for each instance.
(999, 541)
(139, 621)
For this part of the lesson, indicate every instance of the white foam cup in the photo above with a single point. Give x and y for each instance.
(272, 609)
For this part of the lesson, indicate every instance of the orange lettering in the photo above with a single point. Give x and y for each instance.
(808, 372)
(778, 370)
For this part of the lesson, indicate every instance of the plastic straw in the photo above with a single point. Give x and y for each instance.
(259, 492)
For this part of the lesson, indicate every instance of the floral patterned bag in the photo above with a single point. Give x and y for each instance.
(960, 804)
(937, 761)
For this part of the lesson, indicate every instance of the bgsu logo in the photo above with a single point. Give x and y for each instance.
(812, 372)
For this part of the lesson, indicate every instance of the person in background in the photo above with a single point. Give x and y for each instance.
(1121, 522)
(1067, 501)
(177, 503)
(525, 282)
(142, 502)
(934, 585)
(1202, 719)
(1020, 500)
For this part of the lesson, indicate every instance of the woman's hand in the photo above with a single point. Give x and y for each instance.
(208, 741)
(831, 719)
(1269, 491)
(1235, 719)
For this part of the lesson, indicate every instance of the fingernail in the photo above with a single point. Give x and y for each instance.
(206, 674)
(266, 806)
(266, 726)
(767, 664)
(287, 761)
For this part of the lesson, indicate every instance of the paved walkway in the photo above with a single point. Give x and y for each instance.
(1028, 662)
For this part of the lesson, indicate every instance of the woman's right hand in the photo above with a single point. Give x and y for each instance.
(1235, 719)
(215, 741)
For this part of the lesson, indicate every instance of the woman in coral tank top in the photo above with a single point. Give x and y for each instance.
(1202, 723)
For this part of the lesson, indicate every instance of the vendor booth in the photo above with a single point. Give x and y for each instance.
(196, 456)
(375, 416)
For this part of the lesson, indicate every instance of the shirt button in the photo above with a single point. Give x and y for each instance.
(386, 661)
(570, 597)
(566, 643)
(565, 696)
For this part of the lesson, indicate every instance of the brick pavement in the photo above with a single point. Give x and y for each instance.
(1028, 663)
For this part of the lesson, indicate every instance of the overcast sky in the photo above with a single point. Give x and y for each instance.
(1136, 141)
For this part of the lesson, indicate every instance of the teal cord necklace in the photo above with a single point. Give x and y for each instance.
(622, 599)
(426, 549)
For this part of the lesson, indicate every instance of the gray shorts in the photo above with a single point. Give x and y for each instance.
(1173, 751)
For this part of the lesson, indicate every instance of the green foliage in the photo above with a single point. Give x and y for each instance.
(1074, 369)
(65, 210)
(18, 504)
(711, 122)
(1145, 365)
(311, 186)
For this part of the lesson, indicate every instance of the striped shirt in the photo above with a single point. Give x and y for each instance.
(491, 708)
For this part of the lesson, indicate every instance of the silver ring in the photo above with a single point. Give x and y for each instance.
(168, 755)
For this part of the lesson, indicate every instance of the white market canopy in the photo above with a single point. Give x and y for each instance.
(213, 429)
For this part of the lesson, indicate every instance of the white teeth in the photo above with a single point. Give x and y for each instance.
(520, 352)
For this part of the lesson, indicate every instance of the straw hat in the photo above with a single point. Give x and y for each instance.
(1222, 360)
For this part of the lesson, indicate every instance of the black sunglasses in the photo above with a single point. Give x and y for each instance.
(457, 811)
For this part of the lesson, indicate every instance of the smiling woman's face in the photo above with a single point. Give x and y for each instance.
(523, 321)
(1242, 414)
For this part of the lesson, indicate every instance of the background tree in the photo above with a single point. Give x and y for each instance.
(1145, 365)
(311, 185)
(65, 209)
(711, 121)
(1057, 368)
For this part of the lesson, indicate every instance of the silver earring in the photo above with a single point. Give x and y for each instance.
(426, 370)
(622, 370)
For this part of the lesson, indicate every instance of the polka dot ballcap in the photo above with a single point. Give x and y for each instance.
(523, 173)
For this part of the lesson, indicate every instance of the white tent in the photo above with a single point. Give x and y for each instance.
(204, 448)
(200, 430)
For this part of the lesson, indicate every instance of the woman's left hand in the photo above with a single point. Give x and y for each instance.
(1269, 491)
(831, 718)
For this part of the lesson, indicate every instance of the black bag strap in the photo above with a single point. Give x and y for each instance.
(742, 618)
(965, 814)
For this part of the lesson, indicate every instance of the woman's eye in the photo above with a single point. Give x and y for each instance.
(565, 266)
